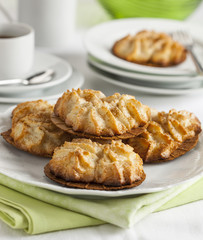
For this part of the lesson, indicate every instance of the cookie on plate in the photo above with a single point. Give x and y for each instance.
(150, 48)
(86, 164)
(168, 136)
(89, 113)
(32, 129)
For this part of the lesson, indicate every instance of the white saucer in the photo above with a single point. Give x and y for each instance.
(100, 39)
(42, 61)
(141, 88)
(75, 81)
(162, 79)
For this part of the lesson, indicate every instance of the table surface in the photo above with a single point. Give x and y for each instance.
(184, 222)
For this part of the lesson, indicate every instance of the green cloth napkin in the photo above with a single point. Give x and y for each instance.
(37, 210)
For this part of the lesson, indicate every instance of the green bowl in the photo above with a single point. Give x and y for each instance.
(174, 9)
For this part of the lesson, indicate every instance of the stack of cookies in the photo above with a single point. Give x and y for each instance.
(99, 142)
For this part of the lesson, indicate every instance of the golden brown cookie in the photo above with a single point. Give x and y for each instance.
(33, 131)
(91, 113)
(87, 164)
(167, 137)
(150, 48)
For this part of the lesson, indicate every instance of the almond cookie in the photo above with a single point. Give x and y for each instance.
(32, 129)
(167, 137)
(89, 113)
(86, 164)
(150, 48)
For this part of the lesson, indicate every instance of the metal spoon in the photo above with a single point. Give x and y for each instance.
(38, 78)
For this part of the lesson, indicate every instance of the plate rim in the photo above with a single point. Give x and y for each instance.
(122, 72)
(146, 89)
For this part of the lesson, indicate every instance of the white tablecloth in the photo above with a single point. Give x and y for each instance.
(184, 222)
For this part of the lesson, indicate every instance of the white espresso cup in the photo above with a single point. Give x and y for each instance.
(16, 50)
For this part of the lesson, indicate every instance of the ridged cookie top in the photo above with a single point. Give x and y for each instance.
(31, 107)
(154, 143)
(181, 125)
(92, 112)
(82, 160)
(149, 47)
(165, 134)
(32, 128)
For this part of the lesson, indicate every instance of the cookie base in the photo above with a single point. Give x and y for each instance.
(60, 124)
(92, 186)
(185, 147)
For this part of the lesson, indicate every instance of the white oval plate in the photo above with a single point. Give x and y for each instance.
(172, 80)
(28, 168)
(100, 39)
(116, 80)
(62, 71)
(75, 81)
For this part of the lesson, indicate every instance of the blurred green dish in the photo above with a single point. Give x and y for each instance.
(174, 9)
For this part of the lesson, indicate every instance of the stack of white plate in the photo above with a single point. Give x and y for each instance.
(65, 77)
(180, 79)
